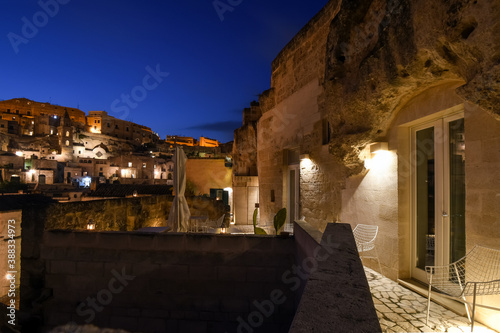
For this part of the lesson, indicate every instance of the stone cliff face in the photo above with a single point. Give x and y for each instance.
(245, 150)
(381, 53)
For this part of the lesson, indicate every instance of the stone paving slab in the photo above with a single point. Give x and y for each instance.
(402, 310)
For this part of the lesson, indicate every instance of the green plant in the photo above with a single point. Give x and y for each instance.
(257, 230)
(279, 219)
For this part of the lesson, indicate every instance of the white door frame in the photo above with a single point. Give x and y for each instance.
(441, 190)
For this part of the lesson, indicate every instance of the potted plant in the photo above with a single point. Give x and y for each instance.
(279, 221)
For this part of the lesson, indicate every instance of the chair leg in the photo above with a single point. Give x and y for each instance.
(473, 308)
(467, 309)
(378, 260)
(428, 301)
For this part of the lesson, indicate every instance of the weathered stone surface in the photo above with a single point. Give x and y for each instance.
(382, 53)
(337, 296)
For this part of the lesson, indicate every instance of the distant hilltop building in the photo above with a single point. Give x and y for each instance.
(28, 108)
(21, 116)
(191, 142)
(101, 123)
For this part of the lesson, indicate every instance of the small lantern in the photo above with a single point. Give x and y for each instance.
(91, 225)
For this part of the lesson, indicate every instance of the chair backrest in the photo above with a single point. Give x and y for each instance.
(364, 233)
(220, 220)
(482, 264)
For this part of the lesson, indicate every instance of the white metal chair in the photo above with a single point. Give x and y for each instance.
(365, 236)
(476, 274)
(215, 223)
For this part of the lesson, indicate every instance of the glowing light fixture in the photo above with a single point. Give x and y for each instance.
(304, 157)
(91, 225)
(378, 147)
(19, 153)
(378, 157)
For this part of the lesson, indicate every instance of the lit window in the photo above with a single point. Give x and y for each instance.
(129, 164)
(67, 142)
(67, 133)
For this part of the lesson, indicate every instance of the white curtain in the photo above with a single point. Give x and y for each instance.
(178, 218)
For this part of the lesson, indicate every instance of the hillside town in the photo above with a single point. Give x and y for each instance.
(57, 149)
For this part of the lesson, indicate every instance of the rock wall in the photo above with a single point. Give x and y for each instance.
(381, 53)
(245, 150)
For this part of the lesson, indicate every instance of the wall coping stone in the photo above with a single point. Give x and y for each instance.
(337, 295)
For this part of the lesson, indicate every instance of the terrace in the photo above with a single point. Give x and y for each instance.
(213, 283)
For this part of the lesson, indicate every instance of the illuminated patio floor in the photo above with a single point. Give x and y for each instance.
(402, 310)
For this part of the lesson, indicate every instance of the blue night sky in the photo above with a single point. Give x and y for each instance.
(93, 54)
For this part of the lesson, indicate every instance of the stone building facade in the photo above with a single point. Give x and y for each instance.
(245, 180)
(386, 113)
(102, 123)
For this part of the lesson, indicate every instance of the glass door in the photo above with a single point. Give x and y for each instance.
(293, 193)
(438, 182)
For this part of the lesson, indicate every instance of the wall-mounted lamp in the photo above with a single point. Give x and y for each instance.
(91, 225)
(375, 155)
(378, 147)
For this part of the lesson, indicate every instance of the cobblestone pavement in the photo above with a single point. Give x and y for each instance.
(402, 310)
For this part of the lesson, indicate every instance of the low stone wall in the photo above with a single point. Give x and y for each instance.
(168, 282)
(152, 282)
(336, 297)
(124, 214)
(40, 213)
